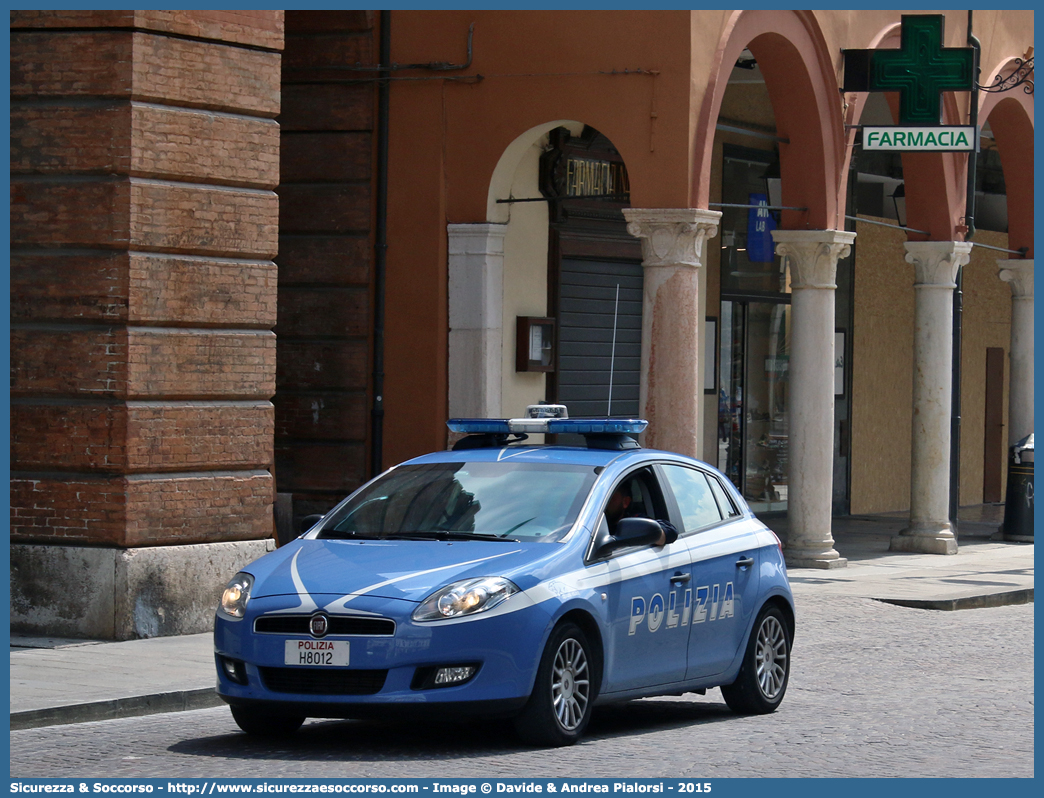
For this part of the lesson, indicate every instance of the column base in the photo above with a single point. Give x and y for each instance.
(812, 558)
(1017, 538)
(933, 538)
(122, 594)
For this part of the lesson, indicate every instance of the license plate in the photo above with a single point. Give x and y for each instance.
(333, 653)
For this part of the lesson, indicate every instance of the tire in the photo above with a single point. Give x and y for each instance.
(763, 677)
(560, 707)
(265, 723)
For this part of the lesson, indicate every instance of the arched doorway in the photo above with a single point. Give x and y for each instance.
(557, 242)
(595, 276)
(551, 255)
(774, 162)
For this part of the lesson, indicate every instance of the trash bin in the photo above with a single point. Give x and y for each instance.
(1018, 502)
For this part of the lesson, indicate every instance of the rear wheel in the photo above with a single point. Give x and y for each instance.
(266, 723)
(763, 677)
(560, 707)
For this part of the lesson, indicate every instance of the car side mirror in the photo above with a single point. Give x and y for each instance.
(631, 532)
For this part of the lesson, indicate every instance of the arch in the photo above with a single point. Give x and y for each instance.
(799, 77)
(535, 239)
(520, 265)
(1010, 115)
(504, 172)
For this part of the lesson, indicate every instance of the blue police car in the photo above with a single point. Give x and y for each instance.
(517, 581)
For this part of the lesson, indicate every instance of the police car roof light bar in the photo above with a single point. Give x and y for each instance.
(576, 426)
(479, 426)
(597, 426)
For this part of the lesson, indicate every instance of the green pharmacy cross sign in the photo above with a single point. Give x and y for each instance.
(920, 70)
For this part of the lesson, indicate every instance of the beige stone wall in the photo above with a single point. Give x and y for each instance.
(986, 323)
(882, 371)
(525, 277)
(882, 362)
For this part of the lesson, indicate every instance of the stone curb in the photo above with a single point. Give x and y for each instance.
(967, 603)
(134, 706)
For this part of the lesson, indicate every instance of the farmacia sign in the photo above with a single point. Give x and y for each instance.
(942, 138)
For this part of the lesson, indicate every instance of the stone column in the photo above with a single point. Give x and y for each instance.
(476, 319)
(936, 264)
(671, 383)
(813, 268)
(1019, 275)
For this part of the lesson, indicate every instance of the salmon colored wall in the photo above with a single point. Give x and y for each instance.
(542, 66)
(651, 81)
(416, 332)
(447, 137)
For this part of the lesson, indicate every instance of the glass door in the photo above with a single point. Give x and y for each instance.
(753, 417)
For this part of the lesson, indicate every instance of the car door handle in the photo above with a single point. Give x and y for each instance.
(680, 578)
(744, 562)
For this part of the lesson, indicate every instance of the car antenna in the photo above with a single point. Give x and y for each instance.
(612, 356)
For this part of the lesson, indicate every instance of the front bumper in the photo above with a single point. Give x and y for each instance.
(386, 672)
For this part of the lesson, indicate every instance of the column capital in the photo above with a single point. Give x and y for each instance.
(672, 236)
(1019, 275)
(936, 262)
(813, 255)
(478, 238)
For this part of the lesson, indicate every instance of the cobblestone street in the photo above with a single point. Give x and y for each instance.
(876, 691)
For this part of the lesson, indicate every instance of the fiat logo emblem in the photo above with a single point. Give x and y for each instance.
(318, 625)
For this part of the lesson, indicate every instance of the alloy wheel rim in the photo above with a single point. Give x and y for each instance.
(570, 684)
(771, 657)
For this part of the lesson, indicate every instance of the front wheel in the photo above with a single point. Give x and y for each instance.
(560, 707)
(262, 723)
(762, 678)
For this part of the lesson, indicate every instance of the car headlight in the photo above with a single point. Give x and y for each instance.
(465, 598)
(236, 595)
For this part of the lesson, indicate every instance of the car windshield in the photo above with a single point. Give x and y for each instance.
(455, 501)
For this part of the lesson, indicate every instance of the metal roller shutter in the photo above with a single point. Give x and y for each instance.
(587, 300)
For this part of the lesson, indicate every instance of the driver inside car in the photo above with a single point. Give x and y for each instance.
(619, 507)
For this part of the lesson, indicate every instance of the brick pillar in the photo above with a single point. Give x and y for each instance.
(326, 258)
(144, 154)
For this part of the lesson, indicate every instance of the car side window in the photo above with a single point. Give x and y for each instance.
(637, 495)
(728, 509)
(693, 494)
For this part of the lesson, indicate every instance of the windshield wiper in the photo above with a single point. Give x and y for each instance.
(446, 534)
(519, 524)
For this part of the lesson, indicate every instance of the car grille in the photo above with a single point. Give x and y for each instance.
(339, 625)
(323, 681)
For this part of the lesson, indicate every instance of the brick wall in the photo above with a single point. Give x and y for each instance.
(144, 158)
(325, 257)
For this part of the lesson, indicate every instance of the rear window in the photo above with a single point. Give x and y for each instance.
(523, 501)
(693, 493)
(728, 509)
